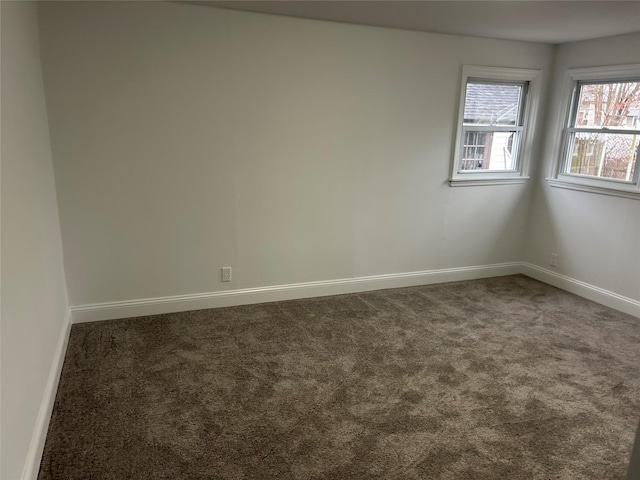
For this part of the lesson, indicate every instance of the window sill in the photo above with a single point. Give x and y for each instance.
(573, 185)
(472, 182)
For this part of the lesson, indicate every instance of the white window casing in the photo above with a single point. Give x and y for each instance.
(569, 128)
(518, 136)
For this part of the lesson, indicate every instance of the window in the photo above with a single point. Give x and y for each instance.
(497, 109)
(598, 148)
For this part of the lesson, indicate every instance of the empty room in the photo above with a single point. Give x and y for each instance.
(320, 240)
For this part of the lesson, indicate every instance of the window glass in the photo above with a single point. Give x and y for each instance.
(606, 155)
(491, 125)
(603, 135)
(492, 104)
(608, 105)
(488, 151)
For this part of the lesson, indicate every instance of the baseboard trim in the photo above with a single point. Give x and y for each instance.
(583, 289)
(34, 454)
(179, 303)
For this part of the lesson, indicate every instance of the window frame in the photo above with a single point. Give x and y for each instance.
(558, 177)
(530, 103)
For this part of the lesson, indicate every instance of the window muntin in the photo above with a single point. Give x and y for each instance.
(603, 134)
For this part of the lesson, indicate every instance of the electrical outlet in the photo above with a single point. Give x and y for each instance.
(554, 260)
(226, 274)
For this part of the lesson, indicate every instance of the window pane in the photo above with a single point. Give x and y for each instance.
(609, 105)
(488, 151)
(492, 104)
(605, 155)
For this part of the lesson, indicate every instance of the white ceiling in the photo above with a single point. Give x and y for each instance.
(545, 21)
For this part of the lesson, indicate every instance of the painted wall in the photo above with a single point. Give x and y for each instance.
(596, 236)
(187, 138)
(34, 298)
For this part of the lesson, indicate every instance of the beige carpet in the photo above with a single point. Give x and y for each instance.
(503, 378)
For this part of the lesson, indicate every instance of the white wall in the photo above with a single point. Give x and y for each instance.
(597, 237)
(187, 138)
(33, 288)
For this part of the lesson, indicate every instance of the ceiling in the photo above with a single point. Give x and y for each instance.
(544, 21)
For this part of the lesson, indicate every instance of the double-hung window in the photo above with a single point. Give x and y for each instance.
(599, 145)
(497, 108)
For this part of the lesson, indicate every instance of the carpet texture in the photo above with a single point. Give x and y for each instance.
(501, 378)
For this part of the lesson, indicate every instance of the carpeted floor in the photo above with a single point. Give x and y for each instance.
(502, 378)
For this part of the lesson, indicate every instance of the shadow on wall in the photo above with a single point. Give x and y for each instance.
(542, 238)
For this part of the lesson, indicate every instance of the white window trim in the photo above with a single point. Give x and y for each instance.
(557, 178)
(474, 177)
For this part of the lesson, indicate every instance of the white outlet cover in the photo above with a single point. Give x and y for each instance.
(226, 274)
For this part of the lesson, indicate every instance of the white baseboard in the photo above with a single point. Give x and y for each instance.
(228, 298)
(34, 454)
(179, 303)
(583, 289)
